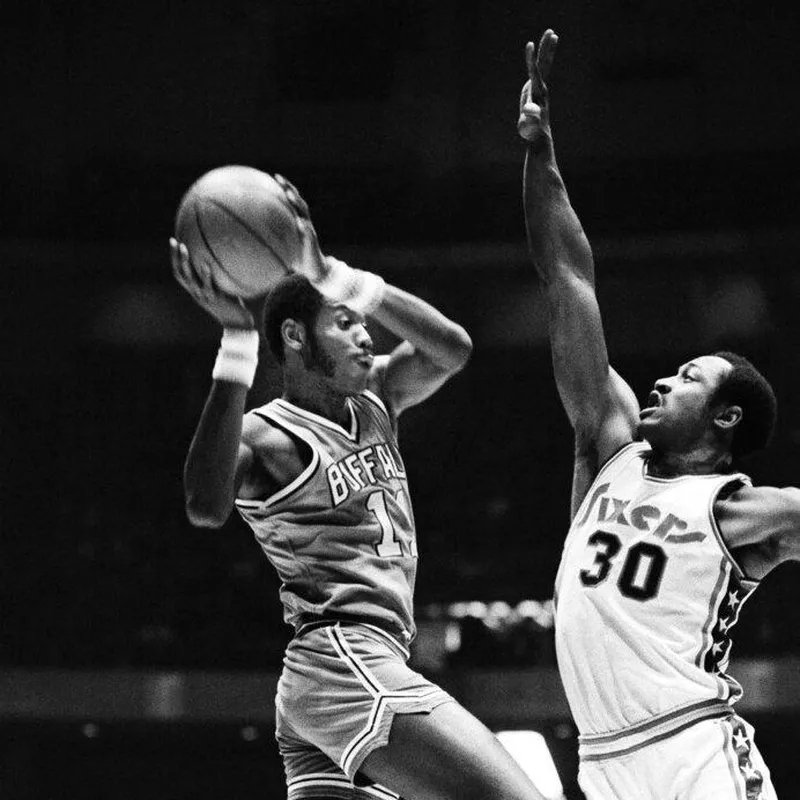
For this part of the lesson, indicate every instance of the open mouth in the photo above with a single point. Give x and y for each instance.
(653, 402)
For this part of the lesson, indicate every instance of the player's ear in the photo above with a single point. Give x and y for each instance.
(728, 417)
(293, 334)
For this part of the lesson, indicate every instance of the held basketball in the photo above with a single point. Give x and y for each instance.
(236, 222)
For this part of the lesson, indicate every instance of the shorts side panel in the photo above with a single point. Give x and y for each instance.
(339, 691)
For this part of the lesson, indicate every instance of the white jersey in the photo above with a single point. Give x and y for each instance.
(646, 595)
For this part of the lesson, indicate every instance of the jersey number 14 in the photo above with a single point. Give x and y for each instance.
(389, 545)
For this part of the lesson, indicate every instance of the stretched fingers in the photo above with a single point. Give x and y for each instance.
(547, 51)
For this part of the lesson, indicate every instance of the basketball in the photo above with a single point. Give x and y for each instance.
(237, 222)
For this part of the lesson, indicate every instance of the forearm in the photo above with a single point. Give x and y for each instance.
(556, 240)
(432, 334)
(210, 468)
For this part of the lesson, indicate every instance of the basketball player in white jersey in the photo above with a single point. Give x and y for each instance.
(318, 476)
(667, 539)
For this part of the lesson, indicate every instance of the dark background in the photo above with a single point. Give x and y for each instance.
(676, 127)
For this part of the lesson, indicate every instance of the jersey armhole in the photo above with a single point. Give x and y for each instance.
(725, 491)
(308, 456)
(618, 452)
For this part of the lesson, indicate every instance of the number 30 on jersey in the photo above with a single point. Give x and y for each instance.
(643, 566)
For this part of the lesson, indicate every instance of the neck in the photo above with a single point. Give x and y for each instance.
(700, 461)
(311, 391)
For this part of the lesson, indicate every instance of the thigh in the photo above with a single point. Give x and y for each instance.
(447, 755)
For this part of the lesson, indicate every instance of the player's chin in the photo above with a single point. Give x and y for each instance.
(356, 380)
(647, 427)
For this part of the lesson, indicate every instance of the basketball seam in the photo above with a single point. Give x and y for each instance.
(201, 231)
(254, 233)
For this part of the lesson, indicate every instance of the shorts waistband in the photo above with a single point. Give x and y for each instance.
(596, 747)
(344, 622)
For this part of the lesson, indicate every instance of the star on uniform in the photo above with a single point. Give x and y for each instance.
(750, 772)
(716, 648)
(740, 740)
(724, 624)
(733, 599)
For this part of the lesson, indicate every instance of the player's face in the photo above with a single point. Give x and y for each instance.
(680, 409)
(341, 348)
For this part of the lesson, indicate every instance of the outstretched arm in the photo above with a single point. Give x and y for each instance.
(600, 406)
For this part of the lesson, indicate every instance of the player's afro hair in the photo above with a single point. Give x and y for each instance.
(748, 388)
(293, 297)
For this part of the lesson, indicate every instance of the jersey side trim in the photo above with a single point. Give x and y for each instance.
(301, 480)
(713, 612)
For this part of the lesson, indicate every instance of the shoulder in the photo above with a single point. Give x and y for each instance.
(761, 502)
(277, 456)
(259, 433)
(763, 517)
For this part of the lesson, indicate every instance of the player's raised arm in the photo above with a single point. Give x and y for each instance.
(433, 348)
(218, 459)
(601, 407)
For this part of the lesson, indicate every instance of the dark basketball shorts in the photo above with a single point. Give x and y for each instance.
(339, 690)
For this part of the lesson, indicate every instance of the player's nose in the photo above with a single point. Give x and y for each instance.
(662, 385)
(363, 339)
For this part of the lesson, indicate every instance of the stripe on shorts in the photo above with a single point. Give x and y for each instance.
(381, 697)
(334, 786)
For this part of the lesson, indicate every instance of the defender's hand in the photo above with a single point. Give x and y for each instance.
(229, 311)
(534, 112)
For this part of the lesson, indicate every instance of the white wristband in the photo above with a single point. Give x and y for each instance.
(357, 289)
(237, 358)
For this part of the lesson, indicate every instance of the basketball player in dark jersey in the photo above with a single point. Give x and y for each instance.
(318, 475)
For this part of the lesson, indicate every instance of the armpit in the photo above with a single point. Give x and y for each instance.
(760, 526)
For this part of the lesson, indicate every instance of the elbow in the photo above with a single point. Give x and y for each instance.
(461, 351)
(202, 515)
